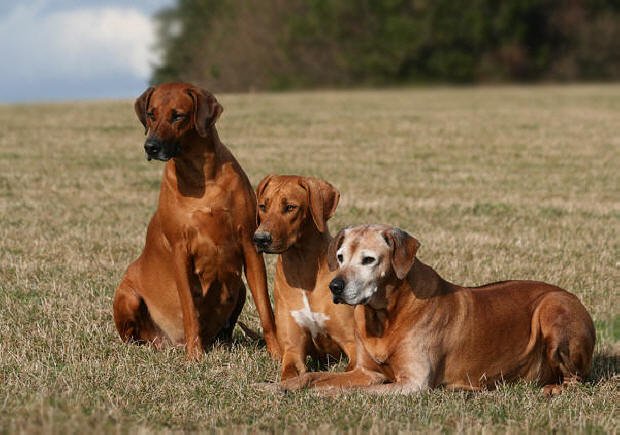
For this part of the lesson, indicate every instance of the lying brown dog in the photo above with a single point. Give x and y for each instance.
(186, 287)
(416, 331)
(293, 214)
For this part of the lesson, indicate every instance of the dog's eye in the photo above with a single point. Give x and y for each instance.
(262, 207)
(340, 258)
(290, 207)
(178, 117)
(368, 260)
(151, 116)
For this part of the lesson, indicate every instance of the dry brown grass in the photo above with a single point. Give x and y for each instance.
(495, 182)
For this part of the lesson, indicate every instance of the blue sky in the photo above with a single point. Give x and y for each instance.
(69, 49)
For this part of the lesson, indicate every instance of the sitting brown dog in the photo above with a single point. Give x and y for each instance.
(416, 331)
(186, 287)
(293, 213)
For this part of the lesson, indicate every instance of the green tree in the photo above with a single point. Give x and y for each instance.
(278, 44)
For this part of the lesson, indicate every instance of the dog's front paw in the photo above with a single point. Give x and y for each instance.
(296, 383)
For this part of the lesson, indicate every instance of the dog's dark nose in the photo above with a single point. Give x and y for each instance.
(152, 148)
(337, 286)
(262, 238)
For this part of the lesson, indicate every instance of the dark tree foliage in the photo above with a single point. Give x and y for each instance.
(238, 45)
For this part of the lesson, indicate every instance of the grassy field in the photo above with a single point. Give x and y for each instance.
(496, 183)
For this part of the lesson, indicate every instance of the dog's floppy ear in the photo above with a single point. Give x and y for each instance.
(322, 200)
(259, 191)
(206, 110)
(263, 185)
(403, 248)
(332, 249)
(142, 104)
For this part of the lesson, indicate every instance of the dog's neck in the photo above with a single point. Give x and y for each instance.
(196, 164)
(415, 292)
(424, 283)
(303, 261)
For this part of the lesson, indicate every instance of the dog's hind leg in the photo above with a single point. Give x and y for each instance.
(568, 334)
(132, 319)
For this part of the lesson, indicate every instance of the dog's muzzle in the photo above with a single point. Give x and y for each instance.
(158, 150)
(262, 240)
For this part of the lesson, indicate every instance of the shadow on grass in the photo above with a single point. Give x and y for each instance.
(315, 363)
(605, 364)
(243, 336)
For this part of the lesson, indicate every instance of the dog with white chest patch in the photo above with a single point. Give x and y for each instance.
(292, 217)
(415, 330)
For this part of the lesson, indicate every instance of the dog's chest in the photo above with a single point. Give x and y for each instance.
(213, 244)
(314, 322)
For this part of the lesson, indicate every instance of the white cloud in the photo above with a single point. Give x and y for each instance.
(87, 44)
(90, 41)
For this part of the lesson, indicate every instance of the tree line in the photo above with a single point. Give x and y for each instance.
(240, 45)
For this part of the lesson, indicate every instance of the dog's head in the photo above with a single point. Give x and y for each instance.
(367, 258)
(287, 206)
(172, 111)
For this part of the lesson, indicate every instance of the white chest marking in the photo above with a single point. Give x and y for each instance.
(314, 322)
